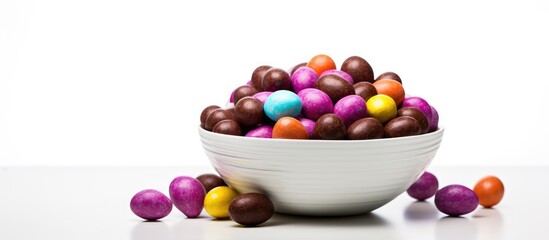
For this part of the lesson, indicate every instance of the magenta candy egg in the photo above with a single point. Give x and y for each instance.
(425, 187)
(315, 103)
(340, 73)
(456, 200)
(187, 194)
(308, 124)
(302, 78)
(262, 96)
(264, 131)
(433, 123)
(150, 204)
(419, 103)
(350, 108)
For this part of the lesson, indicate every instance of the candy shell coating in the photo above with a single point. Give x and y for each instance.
(350, 109)
(303, 78)
(218, 200)
(263, 131)
(289, 128)
(308, 124)
(381, 107)
(315, 103)
(282, 103)
(262, 96)
(456, 200)
(187, 194)
(210, 181)
(251, 209)
(426, 186)
(150, 205)
(489, 190)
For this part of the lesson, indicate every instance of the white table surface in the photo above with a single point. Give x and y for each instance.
(93, 203)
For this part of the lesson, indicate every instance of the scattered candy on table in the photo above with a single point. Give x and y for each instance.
(150, 205)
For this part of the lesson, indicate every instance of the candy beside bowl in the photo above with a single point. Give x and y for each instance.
(322, 177)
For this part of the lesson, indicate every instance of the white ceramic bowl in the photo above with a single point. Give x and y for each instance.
(319, 177)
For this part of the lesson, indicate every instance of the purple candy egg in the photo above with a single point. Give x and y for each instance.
(340, 73)
(264, 131)
(425, 187)
(315, 103)
(302, 78)
(433, 123)
(308, 124)
(187, 194)
(456, 200)
(419, 103)
(262, 96)
(151, 204)
(350, 108)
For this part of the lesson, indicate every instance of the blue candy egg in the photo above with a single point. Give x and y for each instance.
(282, 103)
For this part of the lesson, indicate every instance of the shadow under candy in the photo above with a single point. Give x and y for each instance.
(420, 210)
(362, 220)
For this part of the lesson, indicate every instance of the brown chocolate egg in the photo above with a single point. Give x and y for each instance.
(359, 69)
(365, 89)
(416, 114)
(329, 127)
(335, 87)
(243, 91)
(402, 126)
(251, 209)
(205, 114)
(389, 75)
(292, 70)
(276, 79)
(210, 181)
(228, 126)
(365, 128)
(248, 111)
(215, 116)
(257, 76)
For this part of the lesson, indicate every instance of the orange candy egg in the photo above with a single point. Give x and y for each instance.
(289, 128)
(489, 191)
(321, 63)
(390, 88)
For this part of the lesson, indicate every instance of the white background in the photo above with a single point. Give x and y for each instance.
(123, 82)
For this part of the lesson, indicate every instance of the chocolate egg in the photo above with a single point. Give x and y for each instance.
(329, 127)
(389, 75)
(416, 114)
(228, 126)
(365, 89)
(257, 76)
(251, 209)
(205, 114)
(365, 128)
(359, 69)
(401, 127)
(276, 79)
(216, 116)
(340, 73)
(294, 68)
(210, 181)
(248, 111)
(243, 91)
(335, 86)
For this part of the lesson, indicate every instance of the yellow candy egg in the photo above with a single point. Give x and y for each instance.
(381, 107)
(218, 200)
